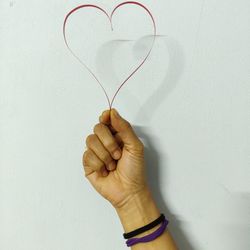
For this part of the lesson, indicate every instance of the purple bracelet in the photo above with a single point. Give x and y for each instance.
(150, 237)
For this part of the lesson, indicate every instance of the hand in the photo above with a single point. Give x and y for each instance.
(119, 176)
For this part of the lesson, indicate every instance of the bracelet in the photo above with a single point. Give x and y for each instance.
(149, 237)
(144, 228)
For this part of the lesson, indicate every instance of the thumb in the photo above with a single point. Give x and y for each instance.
(125, 131)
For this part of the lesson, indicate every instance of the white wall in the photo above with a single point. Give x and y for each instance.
(189, 104)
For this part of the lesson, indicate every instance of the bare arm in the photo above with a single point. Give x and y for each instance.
(140, 211)
(121, 178)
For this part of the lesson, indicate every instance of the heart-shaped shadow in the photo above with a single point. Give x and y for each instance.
(102, 11)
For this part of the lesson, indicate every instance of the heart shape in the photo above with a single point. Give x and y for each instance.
(110, 19)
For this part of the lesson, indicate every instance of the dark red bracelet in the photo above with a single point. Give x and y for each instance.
(144, 228)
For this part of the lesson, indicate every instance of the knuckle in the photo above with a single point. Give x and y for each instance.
(91, 162)
(90, 139)
(98, 127)
(87, 171)
(85, 158)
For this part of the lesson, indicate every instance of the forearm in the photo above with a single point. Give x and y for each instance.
(139, 211)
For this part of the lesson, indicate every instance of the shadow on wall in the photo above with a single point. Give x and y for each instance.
(152, 157)
(153, 166)
(170, 81)
(174, 67)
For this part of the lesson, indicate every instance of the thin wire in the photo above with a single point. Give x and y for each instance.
(110, 20)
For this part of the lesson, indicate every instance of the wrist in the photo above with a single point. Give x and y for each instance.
(138, 211)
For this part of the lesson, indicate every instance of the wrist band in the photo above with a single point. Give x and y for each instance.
(144, 228)
(149, 237)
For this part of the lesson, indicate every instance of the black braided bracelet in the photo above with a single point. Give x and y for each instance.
(144, 228)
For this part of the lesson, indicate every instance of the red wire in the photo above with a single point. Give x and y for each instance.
(110, 19)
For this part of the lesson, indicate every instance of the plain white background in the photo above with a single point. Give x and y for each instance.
(189, 104)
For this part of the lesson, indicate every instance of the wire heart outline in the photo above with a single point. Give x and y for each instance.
(110, 20)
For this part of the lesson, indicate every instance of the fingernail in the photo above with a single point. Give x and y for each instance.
(111, 166)
(116, 113)
(117, 154)
(105, 172)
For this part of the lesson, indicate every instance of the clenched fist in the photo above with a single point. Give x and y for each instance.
(114, 159)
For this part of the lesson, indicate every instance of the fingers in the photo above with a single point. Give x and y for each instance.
(105, 119)
(124, 130)
(108, 140)
(110, 135)
(94, 143)
(92, 163)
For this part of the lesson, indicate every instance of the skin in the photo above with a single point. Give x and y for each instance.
(114, 165)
